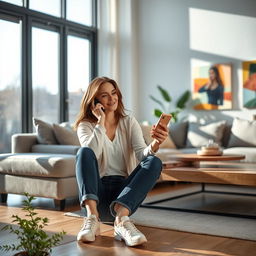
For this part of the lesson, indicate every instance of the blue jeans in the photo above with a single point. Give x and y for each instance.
(108, 190)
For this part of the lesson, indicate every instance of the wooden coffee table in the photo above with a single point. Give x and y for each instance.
(194, 159)
(208, 169)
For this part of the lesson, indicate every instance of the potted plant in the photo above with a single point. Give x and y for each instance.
(33, 240)
(165, 103)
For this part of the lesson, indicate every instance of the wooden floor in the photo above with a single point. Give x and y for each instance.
(160, 242)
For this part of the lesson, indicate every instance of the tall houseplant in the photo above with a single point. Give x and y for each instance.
(33, 240)
(165, 103)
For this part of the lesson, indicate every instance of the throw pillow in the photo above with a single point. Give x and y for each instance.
(243, 133)
(44, 130)
(65, 135)
(199, 135)
(168, 143)
(178, 133)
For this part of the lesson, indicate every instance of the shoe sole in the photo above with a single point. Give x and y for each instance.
(120, 238)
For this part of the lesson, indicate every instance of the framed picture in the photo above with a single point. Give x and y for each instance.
(249, 83)
(211, 86)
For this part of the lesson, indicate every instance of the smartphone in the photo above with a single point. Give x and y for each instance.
(164, 120)
(96, 101)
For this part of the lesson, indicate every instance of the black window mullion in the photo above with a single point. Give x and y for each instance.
(63, 9)
(28, 81)
(24, 91)
(94, 13)
(94, 57)
(63, 76)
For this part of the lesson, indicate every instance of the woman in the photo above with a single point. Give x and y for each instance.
(110, 186)
(214, 88)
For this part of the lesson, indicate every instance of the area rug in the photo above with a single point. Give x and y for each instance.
(197, 223)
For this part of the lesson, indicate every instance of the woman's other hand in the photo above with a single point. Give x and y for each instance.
(159, 134)
(98, 112)
(207, 86)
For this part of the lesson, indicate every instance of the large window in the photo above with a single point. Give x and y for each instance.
(47, 58)
(78, 72)
(80, 11)
(45, 74)
(10, 81)
(52, 7)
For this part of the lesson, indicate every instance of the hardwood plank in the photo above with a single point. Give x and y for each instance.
(160, 242)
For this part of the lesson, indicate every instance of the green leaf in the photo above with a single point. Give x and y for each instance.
(181, 102)
(157, 101)
(174, 116)
(164, 94)
(157, 112)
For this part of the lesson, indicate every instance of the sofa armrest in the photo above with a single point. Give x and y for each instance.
(55, 149)
(23, 142)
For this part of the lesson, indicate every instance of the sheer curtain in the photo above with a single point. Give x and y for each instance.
(117, 47)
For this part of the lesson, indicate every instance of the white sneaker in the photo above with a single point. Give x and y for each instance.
(126, 231)
(89, 230)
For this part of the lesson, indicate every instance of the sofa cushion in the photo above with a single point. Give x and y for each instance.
(199, 135)
(38, 165)
(178, 133)
(55, 149)
(168, 143)
(44, 130)
(249, 152)
(65, 135)
(188, 150)
(165, 154)
(243, 133)
(226, 135)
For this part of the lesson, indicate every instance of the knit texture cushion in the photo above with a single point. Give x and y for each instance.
(65, 135)
(44, 130)
(199, 135)
(178, 133)
(243, 133)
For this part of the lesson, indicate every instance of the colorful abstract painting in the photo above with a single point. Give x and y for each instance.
(211, 99)
(249, 83)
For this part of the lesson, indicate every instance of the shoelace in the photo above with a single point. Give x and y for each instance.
(130, 228)
(89, 224)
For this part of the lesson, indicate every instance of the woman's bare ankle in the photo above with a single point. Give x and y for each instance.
(121, 211)
(91, 208)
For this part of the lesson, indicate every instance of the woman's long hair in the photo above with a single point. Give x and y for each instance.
(217, 74)
(85, 113)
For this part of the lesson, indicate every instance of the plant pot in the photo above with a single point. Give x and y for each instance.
(25, 254)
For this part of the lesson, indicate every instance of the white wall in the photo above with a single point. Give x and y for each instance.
(173, 32)
(156, 40)
(117, 27)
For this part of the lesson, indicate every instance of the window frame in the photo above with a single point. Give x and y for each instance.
(65, 28)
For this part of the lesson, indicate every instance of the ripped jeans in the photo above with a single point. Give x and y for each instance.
(128, 191)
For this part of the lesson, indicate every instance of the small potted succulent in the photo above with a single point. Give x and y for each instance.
(33, 240)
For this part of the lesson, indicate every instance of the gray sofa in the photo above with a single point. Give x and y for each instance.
(39, 169)
(43, 163)
(236, 138)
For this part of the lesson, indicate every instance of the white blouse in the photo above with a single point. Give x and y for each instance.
(115, 157)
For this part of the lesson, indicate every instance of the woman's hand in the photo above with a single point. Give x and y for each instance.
(207, 86)
(159, 134)
(98, 112)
